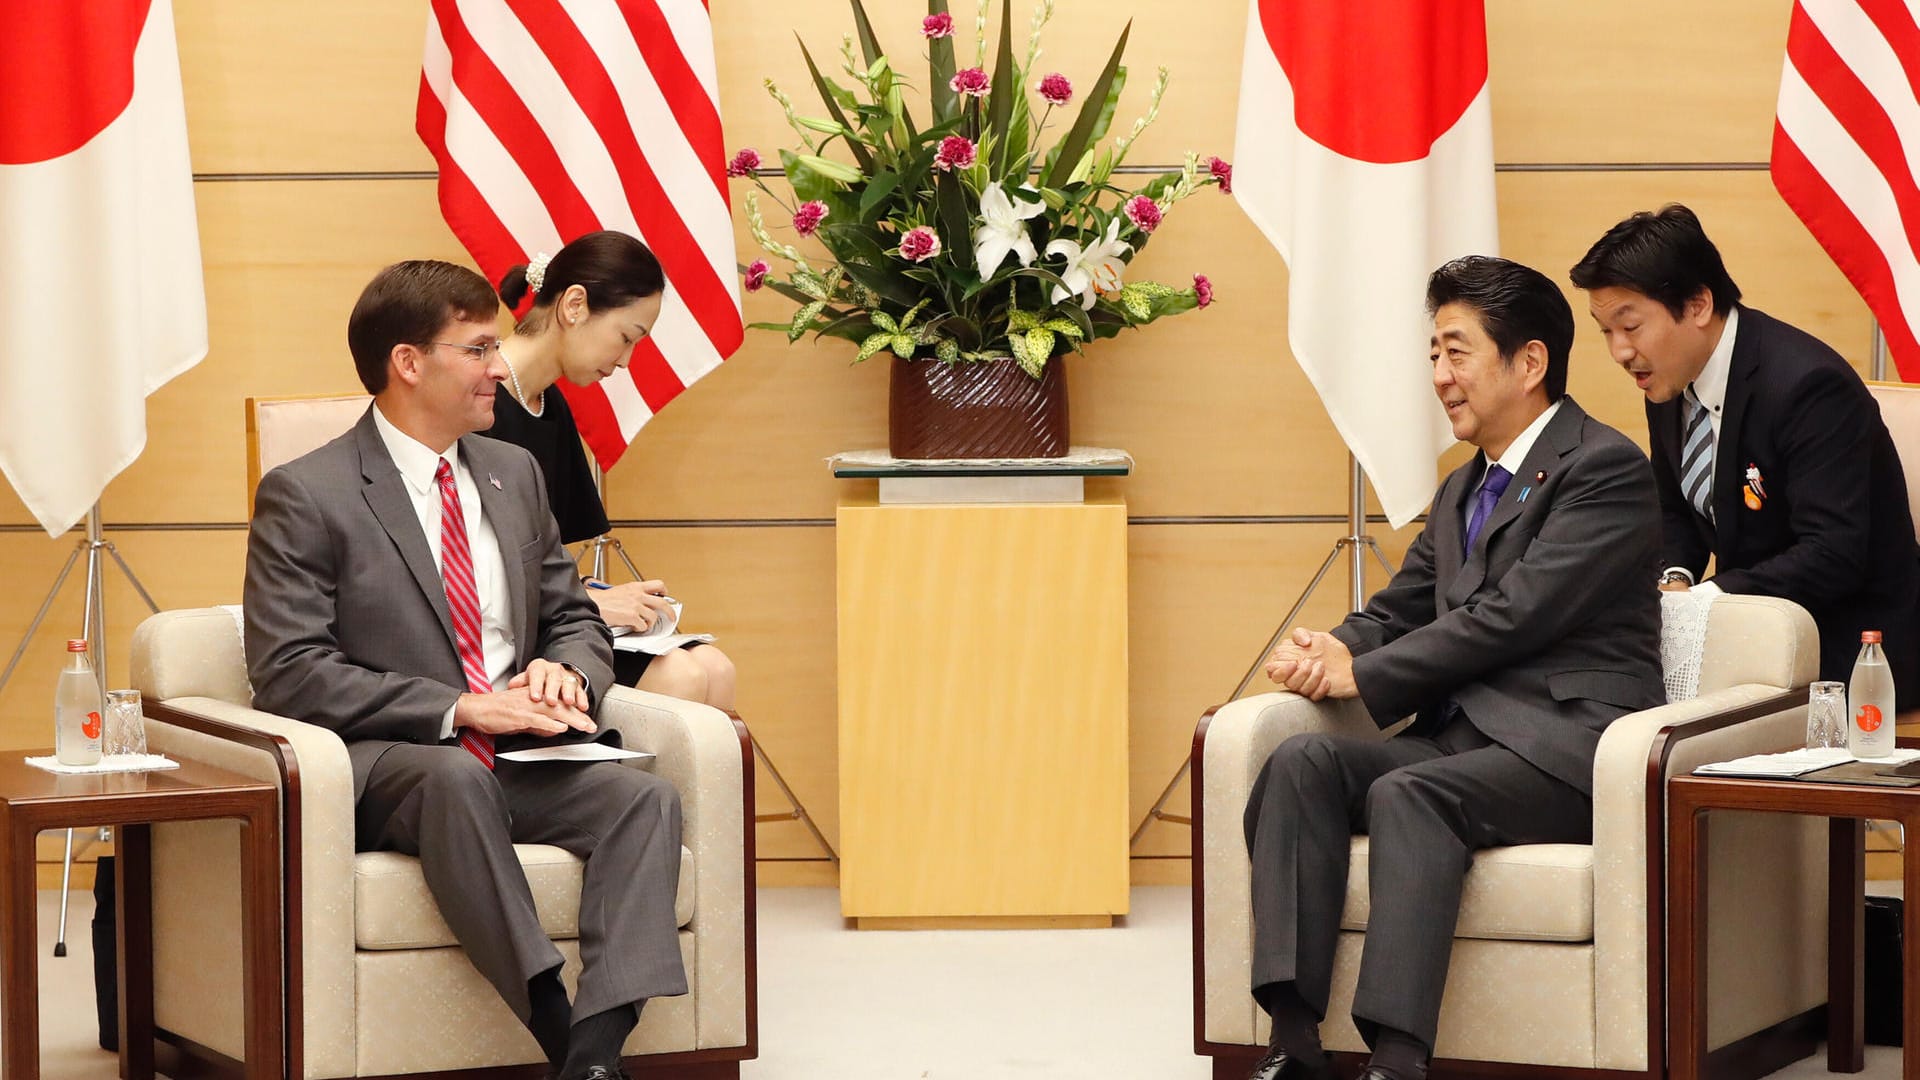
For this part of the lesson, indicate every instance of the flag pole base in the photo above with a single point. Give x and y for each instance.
(1355, 545)
(93, 626)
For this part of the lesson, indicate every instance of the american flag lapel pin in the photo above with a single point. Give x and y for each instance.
(494, 480)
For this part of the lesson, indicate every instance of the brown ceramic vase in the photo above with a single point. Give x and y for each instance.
(976, 409)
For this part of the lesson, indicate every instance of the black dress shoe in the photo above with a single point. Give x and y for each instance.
(605, 1072)
(1280, 1065)
(1375, 1072)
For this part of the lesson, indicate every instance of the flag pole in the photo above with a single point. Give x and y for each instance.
(1879, 363)
(93, 626)
(797, 811)
(1355, 544)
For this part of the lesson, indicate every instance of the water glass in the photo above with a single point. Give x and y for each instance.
(1827, 715)
(126, 724)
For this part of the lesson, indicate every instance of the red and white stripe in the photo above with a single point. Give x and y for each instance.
(1846, 152)
(554, 118)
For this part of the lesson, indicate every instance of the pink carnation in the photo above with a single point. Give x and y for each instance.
(955, 153)
(1222, 172)
(1202, 289)
(809, 216)
(1056, 89)
(744, 163)
(937, 26)
(757, 274)
(1143, 212)
(971, 82)
(919, 244)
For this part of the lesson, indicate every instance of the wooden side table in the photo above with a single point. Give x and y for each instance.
(1846, 806)
(33, 800)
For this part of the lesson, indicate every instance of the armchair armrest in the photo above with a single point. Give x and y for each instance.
(707, 755)
(1230, 745)
(1637, 754)
(309, 764)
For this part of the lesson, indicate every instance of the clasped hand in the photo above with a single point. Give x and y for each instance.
(545, 699)
(1314, 664)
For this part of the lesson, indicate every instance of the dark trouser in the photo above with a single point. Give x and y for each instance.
(441, 804)
(1427, 805)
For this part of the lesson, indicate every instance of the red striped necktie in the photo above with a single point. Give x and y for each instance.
(463, 603)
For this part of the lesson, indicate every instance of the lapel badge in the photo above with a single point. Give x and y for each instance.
(1524, 492)
(494, 480)
(1755, 493)
(1540, 477)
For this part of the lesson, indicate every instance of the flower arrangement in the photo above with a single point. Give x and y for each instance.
(969, 239)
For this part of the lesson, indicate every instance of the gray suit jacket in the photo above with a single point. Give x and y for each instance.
(347, 623)
(1550, 629)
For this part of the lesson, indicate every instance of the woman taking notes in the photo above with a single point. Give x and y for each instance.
(592, 303)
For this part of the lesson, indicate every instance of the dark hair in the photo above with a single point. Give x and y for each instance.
(1516, 304)
(614, 268)
(407, 304)
(1665, 256)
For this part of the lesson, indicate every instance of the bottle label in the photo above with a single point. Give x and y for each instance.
(1868, 718)
(90, 727)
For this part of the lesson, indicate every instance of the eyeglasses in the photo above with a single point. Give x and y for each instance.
(477, 353)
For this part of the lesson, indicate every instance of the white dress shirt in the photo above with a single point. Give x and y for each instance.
(1709, 388)
(418, 464)
(1515, 456)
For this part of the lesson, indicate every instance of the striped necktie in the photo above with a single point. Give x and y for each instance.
(1696, 457)
(463, 603)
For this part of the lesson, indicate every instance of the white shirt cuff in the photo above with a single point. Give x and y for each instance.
(446, 721)
(1705, 588)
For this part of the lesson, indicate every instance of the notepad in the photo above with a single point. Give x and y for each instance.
(579, 751)
(659, 639)
(1792, 763)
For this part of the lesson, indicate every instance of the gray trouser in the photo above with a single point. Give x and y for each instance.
(440, 804)
(1426, 805)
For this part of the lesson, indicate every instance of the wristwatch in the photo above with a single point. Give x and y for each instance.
(1677, 573)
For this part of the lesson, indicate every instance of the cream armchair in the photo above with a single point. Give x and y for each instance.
(1558, 958)
(376, 985)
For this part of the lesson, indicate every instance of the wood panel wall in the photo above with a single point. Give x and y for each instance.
(310, 179)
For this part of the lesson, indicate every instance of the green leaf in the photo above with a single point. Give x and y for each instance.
(863, 27)
(1137, 302)
(947, 350)
(803, 318)
(953, 215)
(862, 252)
(946, 103)
(1039, 348)
(872, 345)
(780, 326)
(1104, 97)
(1063, 326)
(878, 188)
(1006, 81)
(1078, 316)
(885, 322)
(837, 171)
(835, 97)
(808, 185)
(811, 284)
(1018, 342)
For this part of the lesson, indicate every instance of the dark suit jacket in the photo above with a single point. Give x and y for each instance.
(1834, 533)
(1550, 629)
(347, 623)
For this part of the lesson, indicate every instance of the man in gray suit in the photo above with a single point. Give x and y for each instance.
(406, 587)
(1522, 622)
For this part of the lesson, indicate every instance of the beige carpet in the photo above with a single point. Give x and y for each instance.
(840, 1005)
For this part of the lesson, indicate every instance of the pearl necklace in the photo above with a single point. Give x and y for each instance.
(518, 394)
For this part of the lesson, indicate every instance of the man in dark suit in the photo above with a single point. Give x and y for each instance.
(406, 587)
(1770, 454)
(1522, 622)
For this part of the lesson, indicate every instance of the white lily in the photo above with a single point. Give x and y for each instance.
(1093, 269)
(1002, 229)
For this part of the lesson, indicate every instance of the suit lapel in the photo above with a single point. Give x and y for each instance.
(1729, 474)
(386, 495)
(1447, 522)
(498, 507)
(1560, 437)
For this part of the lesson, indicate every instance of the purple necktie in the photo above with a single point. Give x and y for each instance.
(1490, 492)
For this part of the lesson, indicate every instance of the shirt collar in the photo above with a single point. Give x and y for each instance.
(1710, 387)
(1522, 445)
(416, 461)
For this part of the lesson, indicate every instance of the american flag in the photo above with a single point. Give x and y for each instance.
(554, 118)
(1846, 142)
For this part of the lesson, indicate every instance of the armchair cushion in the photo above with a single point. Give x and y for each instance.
(1535, 892)
(393, 909)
